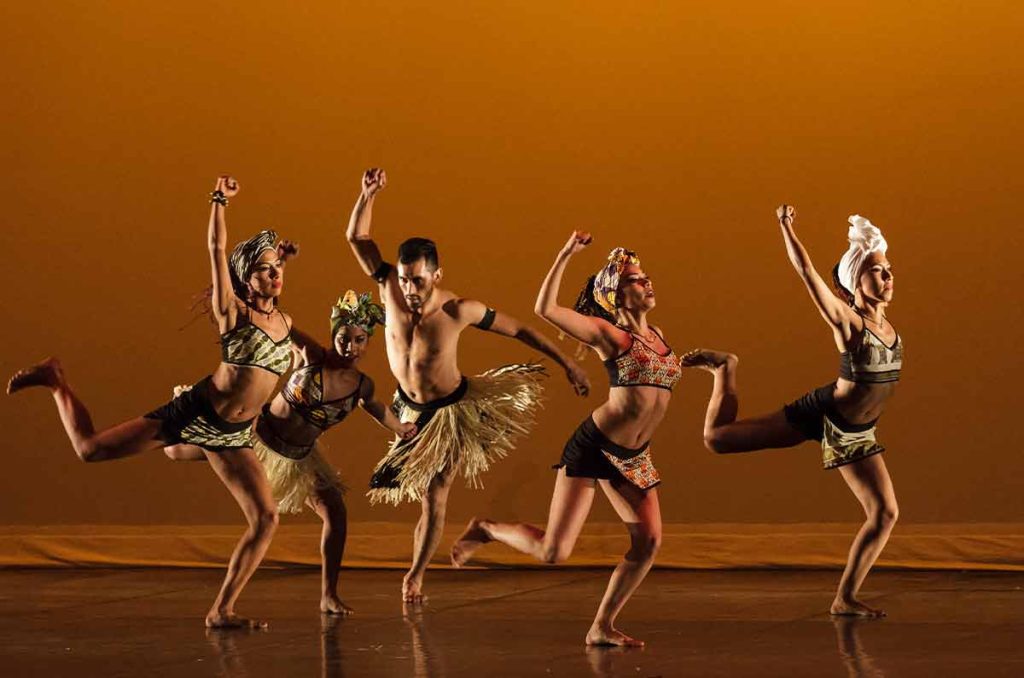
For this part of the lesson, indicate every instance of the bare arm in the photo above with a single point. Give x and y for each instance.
(593, 332)
(382, 413)
(358, 232)
(223, 301)
(474, 312)
(832, 309)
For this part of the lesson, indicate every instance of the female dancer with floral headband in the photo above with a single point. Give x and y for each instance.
(841, 415)
(215, 414)
(610, 447)
(325, 386)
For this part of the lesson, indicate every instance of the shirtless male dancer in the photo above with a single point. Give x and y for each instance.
(462, 424)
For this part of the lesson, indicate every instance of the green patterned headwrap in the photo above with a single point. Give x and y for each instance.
(356, 310)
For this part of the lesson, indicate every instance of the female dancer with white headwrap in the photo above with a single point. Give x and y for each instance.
(842, 414)
(216, 414)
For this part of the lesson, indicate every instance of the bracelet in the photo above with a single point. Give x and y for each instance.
(219, 198)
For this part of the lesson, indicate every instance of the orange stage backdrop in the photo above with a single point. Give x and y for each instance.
(673, 128)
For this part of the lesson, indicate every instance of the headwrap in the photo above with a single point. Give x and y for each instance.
(865, 238)
(606, 281)
(356, 311)
(244, 257)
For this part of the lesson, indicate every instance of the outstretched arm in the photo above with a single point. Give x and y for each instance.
(832, 309)
(223, 301)
(593, 332)
(476, 313)
(382, 413)
(358, 232)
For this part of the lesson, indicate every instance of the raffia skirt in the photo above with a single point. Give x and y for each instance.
(295, 473)
(465, 431)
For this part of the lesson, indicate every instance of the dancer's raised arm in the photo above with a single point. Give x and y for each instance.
(594, 332)
(831, 307)
(358, 232)
(223, 304)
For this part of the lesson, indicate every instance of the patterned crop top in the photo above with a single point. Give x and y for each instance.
(641, 365)
(247, 345)
(305, 393)
(871, 361)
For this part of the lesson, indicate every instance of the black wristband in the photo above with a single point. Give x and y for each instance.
(219, 198)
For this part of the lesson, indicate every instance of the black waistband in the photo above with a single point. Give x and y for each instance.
(278, 444)
(590, 428)
(444, 401)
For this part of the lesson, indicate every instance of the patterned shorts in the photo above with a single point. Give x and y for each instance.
(815, 415)
(589, 454)
(190, 418)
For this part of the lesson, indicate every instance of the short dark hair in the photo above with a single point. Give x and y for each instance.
(415, 249)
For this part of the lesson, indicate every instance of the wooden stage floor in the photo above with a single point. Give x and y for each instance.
(492, 623)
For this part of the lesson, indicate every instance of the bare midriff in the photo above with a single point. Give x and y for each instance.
(237, 393)
(862, 403)
(632, 413)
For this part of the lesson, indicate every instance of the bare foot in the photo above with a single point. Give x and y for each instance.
(411, 590)
(47, 373)
(853, 608)
(471, 539)
(707, 359)
(230, 620)
(332, 604)
(611, 637)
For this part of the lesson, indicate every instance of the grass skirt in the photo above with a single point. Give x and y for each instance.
(466, 436)
(294, 481)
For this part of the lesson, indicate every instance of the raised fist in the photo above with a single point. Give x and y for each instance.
(286, 249)
(577, 241)
(786, 214)
(228, 186)
(374, 179)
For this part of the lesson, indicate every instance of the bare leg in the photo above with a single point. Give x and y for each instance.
(641, 513)
(243, 475)
(185, 452)
(570, 505)
(330, 506)
(722, 433)
(869, 479)
(128, 438)
(427, 535)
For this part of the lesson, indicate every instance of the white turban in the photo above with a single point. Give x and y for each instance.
(865, 238)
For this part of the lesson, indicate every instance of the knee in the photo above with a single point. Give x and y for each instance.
(885, 514)
(266, 521)
(715, 442)
(646, 546)
(88, 451)
(555, 553)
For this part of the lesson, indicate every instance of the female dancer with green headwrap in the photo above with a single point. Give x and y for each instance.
(325, 386)
(216, 414)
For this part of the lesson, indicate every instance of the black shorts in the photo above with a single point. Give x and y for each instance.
(190, 418)
(816, 417)
(583, 455)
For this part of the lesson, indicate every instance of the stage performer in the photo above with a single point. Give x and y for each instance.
(463, 424)
(324, 387)
(841, 415)
(215, 414)
(611, 448)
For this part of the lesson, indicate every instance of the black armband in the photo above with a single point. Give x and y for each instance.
(382, 272)
(488, 319)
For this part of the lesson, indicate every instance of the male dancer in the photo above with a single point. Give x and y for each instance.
(463, 424)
